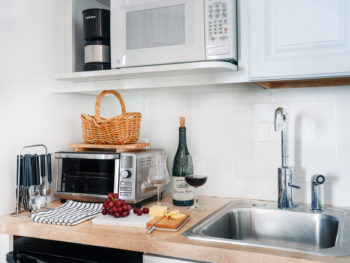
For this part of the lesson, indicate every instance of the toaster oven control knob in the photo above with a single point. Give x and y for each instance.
(125, 174)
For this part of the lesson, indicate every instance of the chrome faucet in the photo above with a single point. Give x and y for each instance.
(316, 181)
(285, 173)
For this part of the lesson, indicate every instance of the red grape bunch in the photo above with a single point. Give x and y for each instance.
(118, 207)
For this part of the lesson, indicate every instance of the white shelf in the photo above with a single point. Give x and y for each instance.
(149, 71)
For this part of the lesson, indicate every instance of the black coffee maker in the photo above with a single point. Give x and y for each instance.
(96, 28)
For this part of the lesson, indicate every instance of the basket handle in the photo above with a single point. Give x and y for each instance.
(99, 98)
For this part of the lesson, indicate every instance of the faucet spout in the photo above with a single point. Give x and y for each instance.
(285, 173)
(278, 119)
(281, 124)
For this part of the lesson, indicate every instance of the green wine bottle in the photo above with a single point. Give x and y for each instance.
(182, 192)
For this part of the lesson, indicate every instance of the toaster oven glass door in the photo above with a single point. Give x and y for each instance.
(88, 176)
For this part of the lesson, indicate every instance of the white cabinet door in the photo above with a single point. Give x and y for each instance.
(293, 39)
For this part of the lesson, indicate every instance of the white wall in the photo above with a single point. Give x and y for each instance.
(31, 49)
(31, 54)
(232, 126)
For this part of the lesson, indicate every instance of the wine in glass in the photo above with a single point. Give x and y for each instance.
(197, 179)
(158, 174)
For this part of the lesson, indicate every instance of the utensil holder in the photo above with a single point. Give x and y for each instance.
(20, 156)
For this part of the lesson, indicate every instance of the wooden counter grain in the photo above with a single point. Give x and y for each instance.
(159, 242)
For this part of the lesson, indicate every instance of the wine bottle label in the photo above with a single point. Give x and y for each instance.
(181, 190)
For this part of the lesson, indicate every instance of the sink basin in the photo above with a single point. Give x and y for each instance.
(261, 224)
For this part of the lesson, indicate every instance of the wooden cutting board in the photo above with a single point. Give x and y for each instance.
(83, 147)
(165, 222)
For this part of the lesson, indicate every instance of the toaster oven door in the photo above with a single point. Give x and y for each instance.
(87, 179)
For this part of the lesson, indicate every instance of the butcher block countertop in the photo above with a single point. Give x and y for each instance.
(159, 242)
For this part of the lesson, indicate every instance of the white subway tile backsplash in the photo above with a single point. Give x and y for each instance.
(241, 112)
(263, 113)
(340, 93)
(241, 151)
(292, 95)
(252, 95)
(316, 112)
(315, 152)
(260, 171)
(211, 98)
(344, 151)
(233, 129)
(261, 132)
(342, 109)
(303, 131)
(324, 132)
(266, 151)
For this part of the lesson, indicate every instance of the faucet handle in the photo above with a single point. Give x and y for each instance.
(318, 179)
(294, 186)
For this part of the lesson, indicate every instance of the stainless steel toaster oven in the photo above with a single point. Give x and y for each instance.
(89, 176)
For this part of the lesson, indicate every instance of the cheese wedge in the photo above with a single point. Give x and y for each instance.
(173, 213)
(177, 216)
(158, 211)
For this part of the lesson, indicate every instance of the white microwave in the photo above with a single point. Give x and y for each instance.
(156, 32)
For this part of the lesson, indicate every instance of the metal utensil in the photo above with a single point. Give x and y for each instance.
(36, 200)
(49, 174)
(42, 187)
(27, 171)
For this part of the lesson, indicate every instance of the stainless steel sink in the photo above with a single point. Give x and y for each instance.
(262, 224)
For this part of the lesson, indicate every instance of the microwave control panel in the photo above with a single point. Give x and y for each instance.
(221, 29)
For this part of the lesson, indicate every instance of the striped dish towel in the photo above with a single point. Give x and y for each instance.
(69, 214)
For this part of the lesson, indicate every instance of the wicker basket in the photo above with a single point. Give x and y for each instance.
(121, 129)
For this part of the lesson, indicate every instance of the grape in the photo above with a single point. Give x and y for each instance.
(120, 209)
(110, 204)
(127, 213)
(139, 212)
(116, 196)
(124, 214)
(145, 210)
(110, 195)
(116, 215)
(114, 209)
(109, 211)
(135, 210)
(104, 211)
(129, 207)
(125, 208)
(105, 204)
(119, 203)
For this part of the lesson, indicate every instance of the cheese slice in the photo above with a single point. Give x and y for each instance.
(174, 212)
(177, 216)
(158, 211)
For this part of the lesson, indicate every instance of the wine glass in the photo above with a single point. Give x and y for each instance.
(197, 179)
(158, 174)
